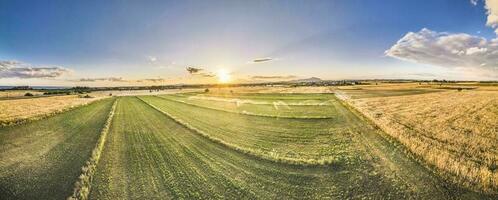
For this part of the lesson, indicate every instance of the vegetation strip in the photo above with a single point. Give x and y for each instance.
(249, 113)
(17, 122)
(294, 161)
(83, 185)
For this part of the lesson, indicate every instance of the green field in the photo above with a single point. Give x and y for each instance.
(158, 147)
(292, 140)
(275, 105)
(149, 155)
(43, 159)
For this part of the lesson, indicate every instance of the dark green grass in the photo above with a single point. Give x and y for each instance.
(150, 156)
(43, 159)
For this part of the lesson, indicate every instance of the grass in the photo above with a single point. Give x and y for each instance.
(83, 185)
(43, 159)
(454, 132)
(150, 155)
(311, 141)
(21, 110)
(270, 105)
(157, 147)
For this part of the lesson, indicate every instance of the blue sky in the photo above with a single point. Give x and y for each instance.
(139, 40)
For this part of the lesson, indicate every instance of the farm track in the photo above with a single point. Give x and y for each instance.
(42, 159)
(149, 155)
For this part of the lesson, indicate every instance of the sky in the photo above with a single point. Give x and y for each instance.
(111, 43)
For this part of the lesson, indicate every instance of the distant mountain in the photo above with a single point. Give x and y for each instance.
(307, 80)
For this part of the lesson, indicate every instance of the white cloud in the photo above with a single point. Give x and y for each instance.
(492, 7)
(463, 51)
(15, 69)
(467, 53)
(151, 59)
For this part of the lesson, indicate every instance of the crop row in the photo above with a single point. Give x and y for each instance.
(83, 185)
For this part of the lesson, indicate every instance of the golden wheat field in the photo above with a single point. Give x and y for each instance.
(16, 110)
(455, 132)
(18, 93)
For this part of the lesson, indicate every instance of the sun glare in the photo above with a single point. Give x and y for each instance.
(223, 76)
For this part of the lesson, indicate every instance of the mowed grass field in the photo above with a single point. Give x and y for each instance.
(150, 155)
(43, 159)
(270, 105)
(178, 147)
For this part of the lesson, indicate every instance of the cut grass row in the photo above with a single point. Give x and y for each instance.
(83, 185)
(43, 159)
(288, 97)
(150, 156)
(278, 108)
(305, 141)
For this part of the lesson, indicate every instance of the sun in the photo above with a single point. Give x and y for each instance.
(223, 76)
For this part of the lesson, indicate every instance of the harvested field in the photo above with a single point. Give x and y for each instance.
(456, 132)
(158, 147)
(271, 105)
(17, 93)
(150, 155)
(19, 110)
(43, 159)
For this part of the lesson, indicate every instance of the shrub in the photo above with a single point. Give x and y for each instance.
(28, 94)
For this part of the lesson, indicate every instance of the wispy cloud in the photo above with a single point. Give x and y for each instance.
(110, 79)
(260, 60)
(152, 59)
(15, 69)
(154, 80)
(197, 71)
(274, 77)
(194, 70)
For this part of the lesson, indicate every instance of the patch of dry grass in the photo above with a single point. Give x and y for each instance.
(456, 132)
(19, 110)
(17, 93)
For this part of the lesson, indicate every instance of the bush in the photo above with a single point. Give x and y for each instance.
(206, 90)
(86, 96)
(28, 94)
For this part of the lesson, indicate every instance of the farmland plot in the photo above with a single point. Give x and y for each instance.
(292, 140)
(43, 159)
(276, 105)
(456, 132)
(149, 155)
(19, 110)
